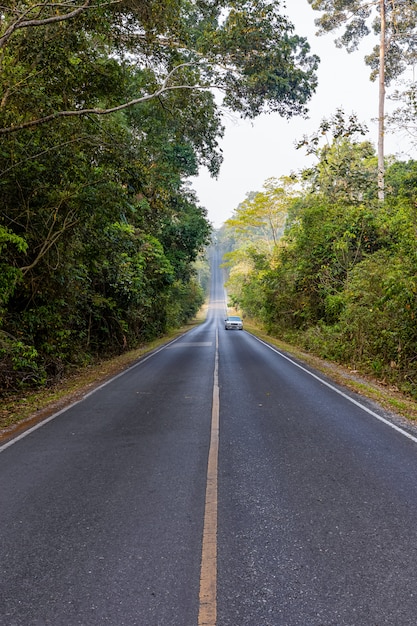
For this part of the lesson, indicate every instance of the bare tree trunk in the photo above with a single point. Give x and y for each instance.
(381, 108)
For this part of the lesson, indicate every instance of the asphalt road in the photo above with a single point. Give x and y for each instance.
(102, 509)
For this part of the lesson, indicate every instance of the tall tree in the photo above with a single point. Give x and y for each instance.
(261, 217)
(246, 48)
(106, 110)
(254, 231)
(395, 23)
(346, 167)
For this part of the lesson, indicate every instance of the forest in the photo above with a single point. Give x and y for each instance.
(319, 262)
(107, 109)
(326, 258)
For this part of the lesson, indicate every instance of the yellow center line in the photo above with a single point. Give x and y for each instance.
(207, 615)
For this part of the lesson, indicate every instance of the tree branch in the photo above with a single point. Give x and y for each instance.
(97, 111)
(27, 23)
(50, 241)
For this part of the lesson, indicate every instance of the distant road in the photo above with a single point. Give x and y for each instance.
(310, 517)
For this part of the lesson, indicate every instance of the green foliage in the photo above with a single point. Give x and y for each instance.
(360, 18)
(9, 274)
(341, 282)
(97, 228)
(268, 68)
(20, 365)
(262, 215)
(184, 302)
(253, 233)
(378, 323)
(202, 274)
(107, 110)
(346, 170)
(247, 49)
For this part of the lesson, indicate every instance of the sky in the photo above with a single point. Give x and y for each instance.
(256, 150)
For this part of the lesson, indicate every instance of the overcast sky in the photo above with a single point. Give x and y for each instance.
(264, 148)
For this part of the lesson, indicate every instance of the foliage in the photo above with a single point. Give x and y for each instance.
(255, 230)
(9, 274)
(246, 48)
(378, 323)
(395, 23)
(341, 282)
(263, 214)
(346, 167)
(360, 18)
(107, 109)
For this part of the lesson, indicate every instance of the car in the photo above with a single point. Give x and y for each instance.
(233, 322)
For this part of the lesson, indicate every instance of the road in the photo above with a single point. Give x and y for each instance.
(217, 482)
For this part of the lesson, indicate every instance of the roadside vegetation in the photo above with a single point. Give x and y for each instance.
(341, 280)
(388, 396)
(26, 407)
(108, 109)
(326, 259)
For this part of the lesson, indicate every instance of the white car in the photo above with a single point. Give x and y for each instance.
(233, 322)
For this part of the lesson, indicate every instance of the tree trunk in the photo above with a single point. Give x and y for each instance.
(381, 109)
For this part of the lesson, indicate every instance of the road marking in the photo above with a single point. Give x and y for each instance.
(207, 615)
(341, 393)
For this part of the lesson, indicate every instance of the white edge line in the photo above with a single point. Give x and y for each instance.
(341, 393)
(87, 395)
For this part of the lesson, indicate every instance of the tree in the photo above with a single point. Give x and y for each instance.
(395, 22)
(107, 109)
(245, 48)
(261, 217)
(101, 234)
(256, 227)
(345, 171)
(330, 227)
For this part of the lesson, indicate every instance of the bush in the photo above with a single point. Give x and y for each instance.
(378, 322)
(20, 365)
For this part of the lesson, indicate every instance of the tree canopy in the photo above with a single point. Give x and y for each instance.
(360, 18)
(246, 49)
(394, 21)
(108, 108)
(341, 280)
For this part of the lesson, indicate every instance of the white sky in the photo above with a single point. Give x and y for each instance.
(259, 149)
